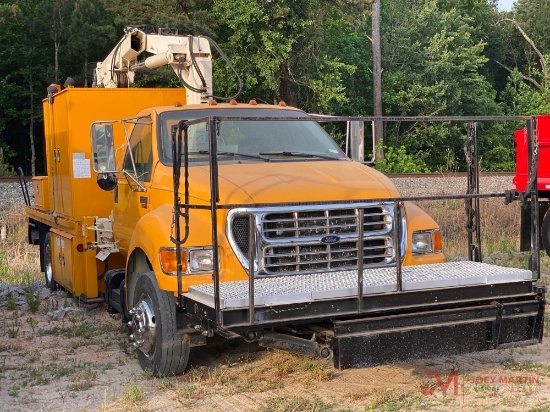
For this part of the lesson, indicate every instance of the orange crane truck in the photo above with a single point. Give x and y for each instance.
(194, 218)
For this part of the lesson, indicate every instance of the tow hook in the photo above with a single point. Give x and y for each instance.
(251, 336)
(324, 352)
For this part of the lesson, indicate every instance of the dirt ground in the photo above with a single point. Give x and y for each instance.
(67, 356)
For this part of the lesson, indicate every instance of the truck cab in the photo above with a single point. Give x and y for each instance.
(282, 160)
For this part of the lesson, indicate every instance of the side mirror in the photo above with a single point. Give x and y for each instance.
(103, 150)
(107, 181)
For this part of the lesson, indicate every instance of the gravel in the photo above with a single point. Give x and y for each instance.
(433, 186)
(10, 194)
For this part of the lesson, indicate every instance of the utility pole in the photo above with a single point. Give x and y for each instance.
(377, 80)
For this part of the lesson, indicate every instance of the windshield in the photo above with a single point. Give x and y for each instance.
(243, 140)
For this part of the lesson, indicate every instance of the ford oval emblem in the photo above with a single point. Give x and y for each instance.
(330, 240)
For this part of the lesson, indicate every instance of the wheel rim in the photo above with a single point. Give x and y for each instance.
(49, 270)
(143, 326)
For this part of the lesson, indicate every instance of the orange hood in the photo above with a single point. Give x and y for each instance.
(284, 182)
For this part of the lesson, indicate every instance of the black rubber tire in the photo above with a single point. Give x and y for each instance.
(48, 267)
(171, 352)
(545, 232)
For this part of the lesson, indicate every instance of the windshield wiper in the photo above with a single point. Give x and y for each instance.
(252, 156)
(204, 152)
(299, 154)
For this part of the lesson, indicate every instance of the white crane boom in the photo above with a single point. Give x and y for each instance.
(190, 58)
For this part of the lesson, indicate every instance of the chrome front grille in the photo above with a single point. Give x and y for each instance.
(313, 239)
(311, 223)
(306, 257)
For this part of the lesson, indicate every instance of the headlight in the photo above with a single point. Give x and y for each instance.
(192, 260)
(426, 241)
(201, 260)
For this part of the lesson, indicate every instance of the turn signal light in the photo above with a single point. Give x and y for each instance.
(168, 264)
(426, 241)
(438, 243)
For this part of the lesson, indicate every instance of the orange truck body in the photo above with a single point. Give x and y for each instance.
(68, 199)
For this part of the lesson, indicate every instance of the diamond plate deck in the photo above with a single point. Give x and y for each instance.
(305, 288)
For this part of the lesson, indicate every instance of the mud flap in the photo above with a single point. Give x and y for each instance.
(395, 338)
(525, 223)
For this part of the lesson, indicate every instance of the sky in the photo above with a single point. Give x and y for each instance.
(505, 4)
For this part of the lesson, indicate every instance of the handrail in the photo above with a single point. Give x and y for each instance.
(532, 191)
(214, 199)
(360, 259)
(23, 184)
(473, 186)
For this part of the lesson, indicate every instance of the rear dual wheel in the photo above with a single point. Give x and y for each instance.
(48, 267)
(161, 348)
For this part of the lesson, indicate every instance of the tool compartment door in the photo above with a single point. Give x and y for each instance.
(62, 258)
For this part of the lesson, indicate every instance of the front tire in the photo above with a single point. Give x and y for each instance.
(161, 348)
(48, 267)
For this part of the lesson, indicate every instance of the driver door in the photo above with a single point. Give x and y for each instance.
(131, 197)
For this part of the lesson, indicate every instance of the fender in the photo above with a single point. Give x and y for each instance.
(153, 231)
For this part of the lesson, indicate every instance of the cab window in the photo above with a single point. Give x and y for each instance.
(141, 147)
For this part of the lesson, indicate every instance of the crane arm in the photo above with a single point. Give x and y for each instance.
(190, 58)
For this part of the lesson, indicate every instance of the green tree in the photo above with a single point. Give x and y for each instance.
(534, 15)
(91, 36)
(525, 60)
(8, 11)
(277, 47)
(22, 69)
(433, 65)
(522, 98)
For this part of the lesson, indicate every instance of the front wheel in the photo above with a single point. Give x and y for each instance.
(48, 268)
(161, 348)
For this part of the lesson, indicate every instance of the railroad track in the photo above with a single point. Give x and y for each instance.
(445, 175)
(390, 175)
(10, 179)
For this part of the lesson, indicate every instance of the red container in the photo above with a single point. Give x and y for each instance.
(543, 171)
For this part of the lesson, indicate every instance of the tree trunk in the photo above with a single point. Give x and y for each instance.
(56, 58)
(31, 128)
(85, 72)
(288, 90)
(377, 81)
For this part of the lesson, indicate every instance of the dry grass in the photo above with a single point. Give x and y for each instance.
(132, 398)
(298, 404)
(500, 225)
(19, 262)
(271, 370)
(388, 399)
